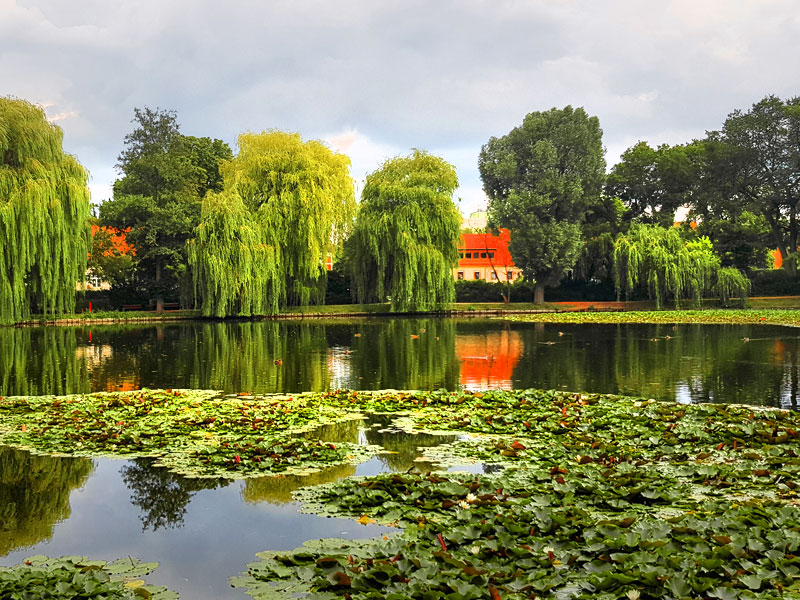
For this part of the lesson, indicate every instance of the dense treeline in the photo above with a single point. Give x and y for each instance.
(250, 233)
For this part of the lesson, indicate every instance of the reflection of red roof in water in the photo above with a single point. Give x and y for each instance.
(488, 360)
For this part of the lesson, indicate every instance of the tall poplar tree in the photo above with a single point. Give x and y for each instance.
(405, 241)
(44, 215)
(263, 241)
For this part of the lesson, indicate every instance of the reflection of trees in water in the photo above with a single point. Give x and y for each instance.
(698, 363)
(161, 495)
(402, 445)
(41, 360)
(343, 431)
(241, 357)
(387, 356)
(278, 489)
(34, 495)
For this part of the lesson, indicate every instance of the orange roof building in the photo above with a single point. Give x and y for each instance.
(485, 256)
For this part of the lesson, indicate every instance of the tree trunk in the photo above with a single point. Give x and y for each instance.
(160, 297)
(792, 241)
(538, 294)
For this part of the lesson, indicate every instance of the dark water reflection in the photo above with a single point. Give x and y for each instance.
(689, 363)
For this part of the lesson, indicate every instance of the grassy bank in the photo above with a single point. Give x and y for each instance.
(778, 310)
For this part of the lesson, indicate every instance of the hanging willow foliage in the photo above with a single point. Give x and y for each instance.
(405, 239)
(660, 258)
(44, 215)
(731, 283)
(264, 240)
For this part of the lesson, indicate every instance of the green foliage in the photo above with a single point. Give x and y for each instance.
(653, 183)
(741, 241)
(157, 200)
(78, 578)
(194, 433)
(264, 240)
(731, 283)
(705, 316)
(44, 215)
(762, 164)
(663, 261)
(597, 497)
(405, 240)
(774, 282)
(541, 178)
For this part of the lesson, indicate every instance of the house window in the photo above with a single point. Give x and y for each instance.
(494, 276)
(461, 274)
(491, 254)
(469, 254)
(477, 274)
(483, 254)
(460, 255)
(510, 275)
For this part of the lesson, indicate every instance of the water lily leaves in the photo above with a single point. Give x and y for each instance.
(78, 577)
(619, 504)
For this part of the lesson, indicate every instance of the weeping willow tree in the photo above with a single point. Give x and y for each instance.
(404, 244)
(662, 260)
(44, 215)
(263, 241)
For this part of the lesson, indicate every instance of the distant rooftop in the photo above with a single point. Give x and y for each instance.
(476, 221)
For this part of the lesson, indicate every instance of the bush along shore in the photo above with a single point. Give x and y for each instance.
(580, 496)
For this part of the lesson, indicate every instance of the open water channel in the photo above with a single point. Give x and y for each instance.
(203, 531)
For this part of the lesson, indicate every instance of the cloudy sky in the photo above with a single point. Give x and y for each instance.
(376, 78)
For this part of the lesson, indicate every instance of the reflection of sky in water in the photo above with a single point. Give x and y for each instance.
(209, 533)
(220, 533)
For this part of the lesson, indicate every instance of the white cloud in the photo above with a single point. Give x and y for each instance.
(387, 76)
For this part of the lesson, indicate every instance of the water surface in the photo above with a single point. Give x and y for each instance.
(754, 364)
(204, 531)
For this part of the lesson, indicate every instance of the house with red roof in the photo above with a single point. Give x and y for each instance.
(485, 256)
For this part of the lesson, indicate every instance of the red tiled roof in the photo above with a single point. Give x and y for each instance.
(484, 243)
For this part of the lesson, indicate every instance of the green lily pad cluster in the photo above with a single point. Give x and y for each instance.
(194, 433)
(707, 316)
(596, 497)
(76, 577)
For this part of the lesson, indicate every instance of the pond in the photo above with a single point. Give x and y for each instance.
(203, 531)
(688, 363)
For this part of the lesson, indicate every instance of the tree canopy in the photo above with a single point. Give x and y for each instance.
(653, 183)
(263, 241)
(667, 264)
(157, 200)
(541, 179)
(405, 240)
(44, 213)
(764, 156)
